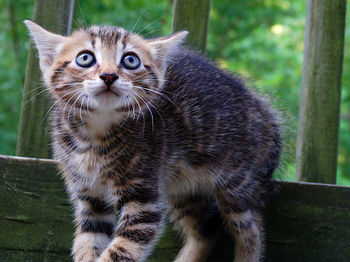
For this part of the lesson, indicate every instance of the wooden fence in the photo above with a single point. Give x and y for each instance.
(305, 222)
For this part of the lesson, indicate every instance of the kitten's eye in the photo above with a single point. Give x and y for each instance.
(85, 59)
(131, 61)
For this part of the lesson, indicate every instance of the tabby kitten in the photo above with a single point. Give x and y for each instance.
(142, 128)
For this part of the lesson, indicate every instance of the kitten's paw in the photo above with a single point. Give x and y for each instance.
(85, 255)
(106, 257)
(114, 256)
(89, 256)
(87, 247)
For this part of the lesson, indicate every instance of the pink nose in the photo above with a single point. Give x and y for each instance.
(109, 78)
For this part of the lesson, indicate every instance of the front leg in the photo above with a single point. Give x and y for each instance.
(140, 223)
(95, 221)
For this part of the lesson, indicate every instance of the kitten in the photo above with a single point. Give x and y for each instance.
(142, 128)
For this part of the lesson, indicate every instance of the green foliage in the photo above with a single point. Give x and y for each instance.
(148, 18)
(262, 40)
(12, 64)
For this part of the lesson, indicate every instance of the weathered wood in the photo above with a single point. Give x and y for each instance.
(317, 147)
(33, 137)
(192, 15)
(305, 222)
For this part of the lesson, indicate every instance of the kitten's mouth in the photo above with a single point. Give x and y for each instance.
(107, 91)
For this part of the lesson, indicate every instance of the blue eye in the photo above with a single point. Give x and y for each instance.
(131, 61)
(85, 59)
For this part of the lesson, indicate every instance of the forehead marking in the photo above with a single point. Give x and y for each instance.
(109, 35)
(98, 54)
(126, 35)
(120, 47)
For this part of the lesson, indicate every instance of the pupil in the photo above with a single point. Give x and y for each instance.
(131, 59)
(85, 57)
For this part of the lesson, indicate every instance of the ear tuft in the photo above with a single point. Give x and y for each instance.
(163, 46)
(46, 43)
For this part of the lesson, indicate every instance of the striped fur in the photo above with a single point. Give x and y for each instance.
(175, 136)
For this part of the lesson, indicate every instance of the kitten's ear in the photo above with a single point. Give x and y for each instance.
(46, 43)
(163, 46)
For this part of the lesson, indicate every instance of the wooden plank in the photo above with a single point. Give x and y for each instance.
(305, 221)
(309, 222)
(35, 214)
(33, 132)
(317, 148)
(193, 16)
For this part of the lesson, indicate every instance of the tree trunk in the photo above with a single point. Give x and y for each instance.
(317, 147)
(33, 135)
(192, 15)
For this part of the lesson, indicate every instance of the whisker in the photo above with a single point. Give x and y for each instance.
(68, 14)
(133, 107)
(75, 102)
(42, 91)
(139, 32)
(67, 85)
(149, 109)
(87, 104)
(65, 106)
(81, 105)
(134, 98)
(158, 93)
(151, 32)
(56, 102)
(165, 80)
(156, 110)
(140, 111)
(141, 76)
(143, 13)
(126, 118)
(30, 91)
(81, 12)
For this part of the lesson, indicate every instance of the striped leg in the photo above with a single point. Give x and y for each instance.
(140, 223)
(246, 227)
(248, 232)
(95, 224)
(198, 219)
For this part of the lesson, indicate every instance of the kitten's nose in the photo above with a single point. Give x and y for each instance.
(109, 78)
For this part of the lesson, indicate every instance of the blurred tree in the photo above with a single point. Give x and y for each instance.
(14, 31)
(317, 147)
(193, 16)
(33, 133)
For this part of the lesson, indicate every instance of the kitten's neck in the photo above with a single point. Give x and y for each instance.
(93, 124)
(100, 122)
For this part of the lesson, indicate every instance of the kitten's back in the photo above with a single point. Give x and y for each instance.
(221, 114)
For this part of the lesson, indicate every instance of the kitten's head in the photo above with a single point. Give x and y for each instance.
(103, 67)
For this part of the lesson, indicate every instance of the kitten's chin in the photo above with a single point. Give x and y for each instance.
(108, 101)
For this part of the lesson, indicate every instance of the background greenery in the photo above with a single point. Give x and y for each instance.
(259, 39)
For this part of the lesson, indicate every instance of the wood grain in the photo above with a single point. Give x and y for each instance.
(317, 147)
(305, 221)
